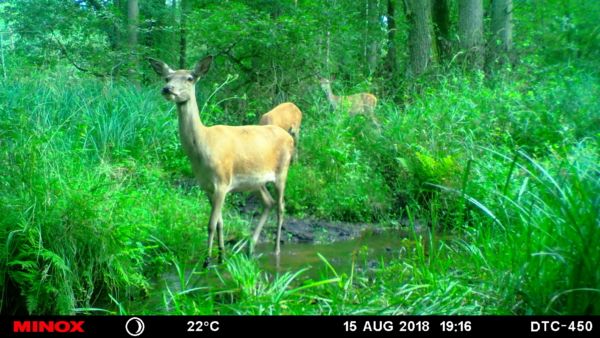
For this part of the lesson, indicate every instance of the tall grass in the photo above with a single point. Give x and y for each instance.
(77, 211)
(550, 252)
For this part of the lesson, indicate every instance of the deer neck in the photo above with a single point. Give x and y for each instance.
(332, 98)
(191, 130)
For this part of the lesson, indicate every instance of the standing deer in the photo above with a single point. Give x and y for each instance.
(227, 158)
(287, 116)
(361, 103)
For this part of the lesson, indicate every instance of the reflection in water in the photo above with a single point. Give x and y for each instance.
(366, 252)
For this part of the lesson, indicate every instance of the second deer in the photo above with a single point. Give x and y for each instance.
(287, 116)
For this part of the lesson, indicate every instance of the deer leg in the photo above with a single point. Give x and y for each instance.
(280, 187)
(374, 119)
(376, 123)
(218, 197)
(221, 239)
(296, 139)
(268, 204)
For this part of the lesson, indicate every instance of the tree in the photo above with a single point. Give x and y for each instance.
(501, 30)
(418, 14)
(132, 34)
(390, 60)
(470, 31)
(183, 11)
(441, 27)
(371, 40)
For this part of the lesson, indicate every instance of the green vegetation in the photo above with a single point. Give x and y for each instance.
(503, 167)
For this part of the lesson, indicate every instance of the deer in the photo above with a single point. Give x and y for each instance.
(287, 116)
(356, 104)
(227, 158)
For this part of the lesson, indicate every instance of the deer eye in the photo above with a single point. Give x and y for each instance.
(190, 78)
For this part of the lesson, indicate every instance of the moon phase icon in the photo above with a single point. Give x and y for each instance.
(134, 326)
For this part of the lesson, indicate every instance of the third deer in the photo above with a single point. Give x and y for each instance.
(361, 103)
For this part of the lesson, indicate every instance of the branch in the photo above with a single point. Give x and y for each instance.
(238, 62)
(227, 50)
(65, 52)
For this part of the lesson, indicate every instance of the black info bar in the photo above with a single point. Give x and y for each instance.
(355, 326)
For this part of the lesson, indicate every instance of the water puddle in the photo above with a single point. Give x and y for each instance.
(364, 252)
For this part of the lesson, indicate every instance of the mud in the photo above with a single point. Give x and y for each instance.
(310, 230)
(307, 230)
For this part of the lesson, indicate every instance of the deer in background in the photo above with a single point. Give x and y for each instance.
(287, 116)
(361, 103)
(227, 158)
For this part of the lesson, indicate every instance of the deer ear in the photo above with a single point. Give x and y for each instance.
(202, 67)
(160, 67)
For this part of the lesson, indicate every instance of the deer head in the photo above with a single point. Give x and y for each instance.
(180, 83)
(325, 83)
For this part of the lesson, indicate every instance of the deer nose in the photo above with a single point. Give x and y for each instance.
(167, 90)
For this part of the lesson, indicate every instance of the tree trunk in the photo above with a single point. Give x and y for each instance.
(132, 35)
(418, 14)
(390, 60)
(441, 28)
(328, 51)
(501, 30)
(470, 31)
(373, 29)
(115, 36)
(183, 10)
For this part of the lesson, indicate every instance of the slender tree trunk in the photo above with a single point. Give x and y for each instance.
(470, 31)
(418, 13)
(132, 35)
(115, 35)
(174, 36)
(132, 20)
(441, 28)
(327, 51)
(2, 55)
(183, 10)
(501, 30)
(372, 34)
(366, 37)
(390, 60)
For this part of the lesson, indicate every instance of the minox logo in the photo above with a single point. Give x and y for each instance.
(39, 326)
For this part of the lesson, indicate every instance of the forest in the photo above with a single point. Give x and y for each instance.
(447, 162)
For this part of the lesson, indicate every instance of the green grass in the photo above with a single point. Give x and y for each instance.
(93, 212)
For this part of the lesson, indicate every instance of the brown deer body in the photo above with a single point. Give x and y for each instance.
(287, 116)
(228, 158)
(356, 104)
